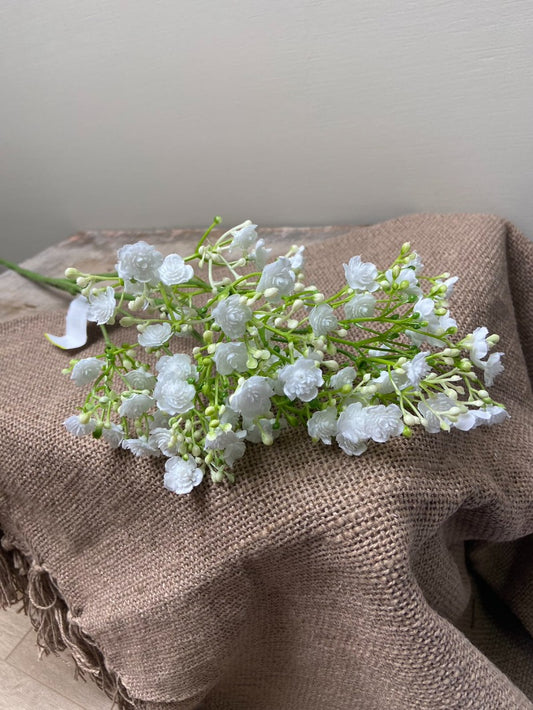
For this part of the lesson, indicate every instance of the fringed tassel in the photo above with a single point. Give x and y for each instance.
(22, 580)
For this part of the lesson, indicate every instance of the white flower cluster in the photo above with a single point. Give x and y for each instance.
(366, 364)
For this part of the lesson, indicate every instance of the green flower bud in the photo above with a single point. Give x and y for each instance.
(216, 476)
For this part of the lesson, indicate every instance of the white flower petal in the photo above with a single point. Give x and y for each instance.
(175, 271)
(181, 476)
(75, 326)
(154, 336)
(86, 371)
(102, 306)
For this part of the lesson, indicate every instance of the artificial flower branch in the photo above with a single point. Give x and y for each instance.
(368, 363)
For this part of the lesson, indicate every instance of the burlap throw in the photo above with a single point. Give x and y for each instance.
(401, 579)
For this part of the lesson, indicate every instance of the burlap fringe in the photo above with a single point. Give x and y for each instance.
(24, 581)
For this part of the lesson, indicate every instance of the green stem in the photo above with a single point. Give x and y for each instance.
(62, 284)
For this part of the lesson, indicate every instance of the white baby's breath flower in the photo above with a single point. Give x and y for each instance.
(388, 382)
(79, 428)
(436, 410)
(181, 476)
(497, 415)
(160, 437)
(351, 433)
(231, 357)
(297, 260)
(361, 276)
(322, 319)
(140, 447)
(408, 278)
(139, 261)
(449, 284)
(154, 336)
(229, 416)
(260, 431)
(416, 262)
(113, 435)
(86, 371)
(174, 396)
(477, 343)
(486, 416)
(278, 275)
(245, 237)
(362, 305)
(469, 420)
(178, 366)
(491, 368)
(134, 289)
(382, 422)
(346, 376)
(260, 254)
(232, 316)
(229, 442)
(174, 270)
(417, 368)
(101, 306)
(323, 425)
(252, 397)
(134, 405)
(436, 325)
(302, 379)
(140, 379)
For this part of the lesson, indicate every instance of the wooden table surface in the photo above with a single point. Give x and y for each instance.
(95, 252)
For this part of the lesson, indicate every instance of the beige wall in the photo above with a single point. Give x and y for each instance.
(119, 113)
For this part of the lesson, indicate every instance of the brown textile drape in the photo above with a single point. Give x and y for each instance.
(402, 579)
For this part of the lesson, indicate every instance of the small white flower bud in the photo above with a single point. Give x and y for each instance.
(342, 332)
(318, 297)
(271, 292)
(267, 438)
(292, 323)
(410, 420)
(331, 365)
(298, 287)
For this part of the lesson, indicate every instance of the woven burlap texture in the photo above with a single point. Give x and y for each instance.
(398, 580)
